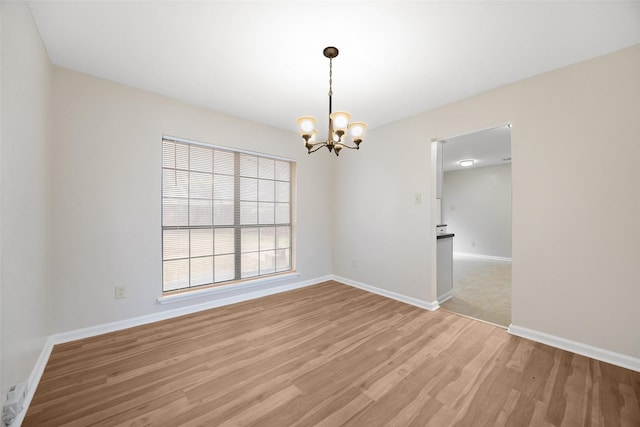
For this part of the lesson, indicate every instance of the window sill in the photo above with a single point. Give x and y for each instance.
(198, 293)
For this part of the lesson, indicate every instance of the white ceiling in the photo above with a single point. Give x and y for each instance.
(263, 60)
(487, 147)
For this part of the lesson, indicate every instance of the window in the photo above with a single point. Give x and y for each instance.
(226, 215)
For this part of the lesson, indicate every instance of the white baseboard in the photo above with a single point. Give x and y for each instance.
(34, 379)
(59, 338)
(428, 305)
(169, 314)
(445, 297)
(617, 359)
(495, 258)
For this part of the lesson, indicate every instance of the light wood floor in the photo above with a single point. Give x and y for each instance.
(327, 355)
(481, 289)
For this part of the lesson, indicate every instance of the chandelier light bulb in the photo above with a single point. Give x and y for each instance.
(357, 129)
(340, 119)
(306, 124)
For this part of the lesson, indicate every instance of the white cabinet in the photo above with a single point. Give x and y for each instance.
(445, 267)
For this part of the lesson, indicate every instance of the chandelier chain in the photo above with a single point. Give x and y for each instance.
(330, 77)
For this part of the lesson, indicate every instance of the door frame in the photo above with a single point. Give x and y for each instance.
(433, 290)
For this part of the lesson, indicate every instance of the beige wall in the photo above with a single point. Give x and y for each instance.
(377, 222)
(24, 212)
(576, 238)
(106, 195)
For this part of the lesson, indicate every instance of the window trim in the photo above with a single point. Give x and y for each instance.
(202, 291)
(222, 287)
(223, 148)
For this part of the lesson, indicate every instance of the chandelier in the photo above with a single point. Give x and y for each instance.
(338, 122)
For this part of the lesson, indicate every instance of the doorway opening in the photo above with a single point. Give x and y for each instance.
(475, 205)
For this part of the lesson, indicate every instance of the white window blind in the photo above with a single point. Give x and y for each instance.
(226, 215)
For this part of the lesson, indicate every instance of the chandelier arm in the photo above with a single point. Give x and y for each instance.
(313, 144)
(354, 147)
(320, 144)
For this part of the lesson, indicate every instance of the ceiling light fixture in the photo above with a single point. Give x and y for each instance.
(338, 122)
(466, 163)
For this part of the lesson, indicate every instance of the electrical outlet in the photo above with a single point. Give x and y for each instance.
(354, 263)
(14, 403)
(473, 244)
(120, 292)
